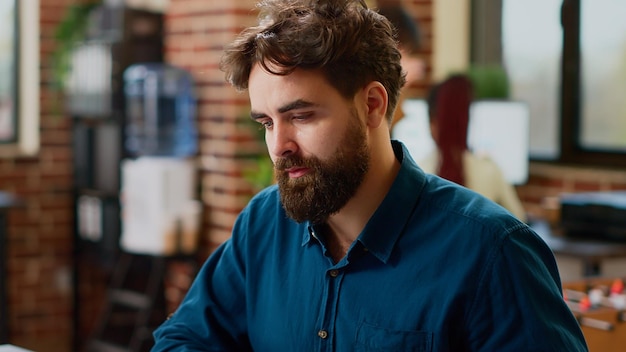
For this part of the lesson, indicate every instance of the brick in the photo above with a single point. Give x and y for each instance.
(231, 112)
(230, 203)
(221, 219)
(225, 184)
(618, 186)
(584, 186)
(219, 236)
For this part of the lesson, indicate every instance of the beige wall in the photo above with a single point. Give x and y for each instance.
(451, 37)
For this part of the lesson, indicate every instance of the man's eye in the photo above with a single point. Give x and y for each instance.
(266, 124)
(302, 116)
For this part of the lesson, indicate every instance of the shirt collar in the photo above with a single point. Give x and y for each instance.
(385, 227)
(388, 222)
(309, 234)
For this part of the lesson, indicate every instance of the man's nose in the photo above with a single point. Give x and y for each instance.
(280, 140)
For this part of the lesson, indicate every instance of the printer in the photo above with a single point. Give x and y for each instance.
(594, 215)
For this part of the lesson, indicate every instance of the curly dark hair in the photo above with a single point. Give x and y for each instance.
(351, 44)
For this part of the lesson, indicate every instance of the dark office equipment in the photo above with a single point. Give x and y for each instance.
(597, 215)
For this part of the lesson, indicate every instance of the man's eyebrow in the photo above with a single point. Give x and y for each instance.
(297, 104)
(256, 115)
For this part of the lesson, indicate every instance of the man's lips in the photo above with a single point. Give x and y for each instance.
(295, 172)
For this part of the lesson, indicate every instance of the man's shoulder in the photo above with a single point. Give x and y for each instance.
(263, 223)
(452, 202)
(263, 205)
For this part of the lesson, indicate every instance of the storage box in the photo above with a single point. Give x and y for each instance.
(160, 213)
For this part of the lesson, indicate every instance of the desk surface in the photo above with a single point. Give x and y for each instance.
(578, 247)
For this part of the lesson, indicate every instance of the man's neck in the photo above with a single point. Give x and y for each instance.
(345, 226)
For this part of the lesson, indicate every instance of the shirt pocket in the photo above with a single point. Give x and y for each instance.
(375, 338)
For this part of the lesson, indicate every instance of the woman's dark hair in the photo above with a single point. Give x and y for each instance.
(449, 105)
(351, 44)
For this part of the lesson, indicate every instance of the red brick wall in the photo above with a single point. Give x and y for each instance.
(195, 34)
(40, 235)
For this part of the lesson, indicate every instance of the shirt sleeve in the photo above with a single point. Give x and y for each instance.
(519, 304)
(212, 316)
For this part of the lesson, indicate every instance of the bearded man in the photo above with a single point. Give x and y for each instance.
(356, 248)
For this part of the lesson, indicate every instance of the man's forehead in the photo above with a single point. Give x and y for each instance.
(308, 85)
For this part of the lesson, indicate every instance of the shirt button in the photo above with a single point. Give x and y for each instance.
(334, 273)
(322, 334)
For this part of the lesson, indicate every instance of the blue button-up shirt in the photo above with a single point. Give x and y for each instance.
(437, 268)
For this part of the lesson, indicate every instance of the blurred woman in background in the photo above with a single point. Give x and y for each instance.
(448, 110)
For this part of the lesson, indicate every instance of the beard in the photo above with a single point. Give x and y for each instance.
(329, 184)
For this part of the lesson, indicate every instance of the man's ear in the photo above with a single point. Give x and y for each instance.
(377, 104)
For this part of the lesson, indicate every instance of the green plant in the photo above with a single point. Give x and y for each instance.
(261, 173)
(490, 81)
(69, 31)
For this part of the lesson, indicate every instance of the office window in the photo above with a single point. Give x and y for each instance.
(19, 78)
(603, 74)
(567, 59)
(532, 42)
(8, 67)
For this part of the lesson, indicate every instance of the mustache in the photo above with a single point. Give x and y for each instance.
(282, 164)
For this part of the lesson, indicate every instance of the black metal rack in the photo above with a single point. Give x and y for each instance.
(117, 38)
